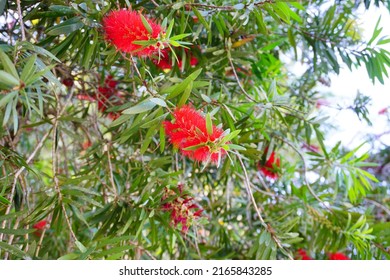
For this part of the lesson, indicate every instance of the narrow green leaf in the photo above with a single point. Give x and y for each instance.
(16, 231)
(179, 88)
(140, 108)
(14, 250)
(4, 200)
(146, 24)
(236, 147)
(65, 27)
(29, 68)
(7, 98)
(8, 65)
(159, 102)
(8, 79)
(80, 246)
(209, 124)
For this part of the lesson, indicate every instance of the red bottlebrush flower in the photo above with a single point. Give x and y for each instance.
(270, 166)
(68, 82)
(104, 96)
(302, 255)
(110, 82)
(189, 129)
(163, 61)
(337, 256)
(382, 111)
(123, 27)
(194, 61)
(183, 209)
(39, 228)
(86, 145)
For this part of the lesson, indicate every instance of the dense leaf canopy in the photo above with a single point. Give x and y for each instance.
(177, 130)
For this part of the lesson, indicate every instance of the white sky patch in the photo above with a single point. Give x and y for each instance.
(350, 130)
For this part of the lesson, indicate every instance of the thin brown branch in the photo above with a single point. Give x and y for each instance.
(54, 154)
(263, 223)
(111, 171)
(305, 172)
(238, 80)
(228, 8)
(19, 172)
(20, 15)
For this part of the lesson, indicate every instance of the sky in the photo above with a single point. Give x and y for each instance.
(350, 130)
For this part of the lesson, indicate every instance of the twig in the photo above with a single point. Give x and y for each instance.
(18, 173)
(21, 20)
(111, 172)
(263, 223)
(39, 245)
(54, 154)
(377, 204)
(196, 241)
(228, 8)
(305, 172)
(143, 249)
(238, 80)
(11, 238)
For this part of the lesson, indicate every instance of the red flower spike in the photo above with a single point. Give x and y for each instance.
(302, 255)
(86, 144)
(110, 82)
(189, 129)
(103, 96)
(181, 209)
(40, 226)
(163, 61)
(68, 82)
(337, 256)
(123, 27)
(268, 169)
(382, 111)
(194, 61)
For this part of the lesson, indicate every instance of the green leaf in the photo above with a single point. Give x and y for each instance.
(146, 24)
(16, 231)
(8, 65)
(194, 147)
(4, 200)
(376, 32)
(170, 27)
(66, 27)
(201, 18)
(62, 10)
(2, 6)
(230, 136)
(159, 102)
(179, 88)
(180, 36)
(186, 95)
(140, 108)
(236, 147)
(209, 124)
(14, 250)
(7, 98)
(8, 79)
(29, 68)
(80, 246)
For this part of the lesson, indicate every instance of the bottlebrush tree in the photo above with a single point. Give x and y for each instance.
(177, 130)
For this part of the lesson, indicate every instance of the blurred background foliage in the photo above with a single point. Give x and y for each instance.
(100, 182)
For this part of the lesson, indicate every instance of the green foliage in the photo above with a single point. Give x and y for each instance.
(102, 173)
